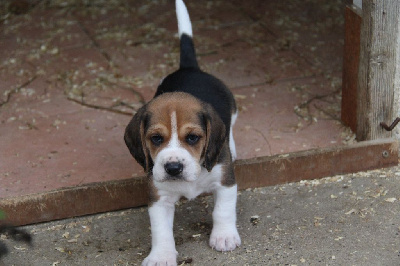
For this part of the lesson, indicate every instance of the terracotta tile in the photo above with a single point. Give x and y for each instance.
(269, 122)
(107, 22)
(314, 29)
(241, 65)
(276, 56)
(50, 142)
(13, 77)
(143, 65)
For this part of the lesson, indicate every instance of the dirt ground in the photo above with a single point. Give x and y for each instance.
(342, 220)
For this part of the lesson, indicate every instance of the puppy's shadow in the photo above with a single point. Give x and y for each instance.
(193, 220)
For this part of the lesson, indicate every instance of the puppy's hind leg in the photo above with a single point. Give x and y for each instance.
(232, 145)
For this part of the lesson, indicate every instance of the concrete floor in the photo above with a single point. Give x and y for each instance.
(341, 220)
(72, 74)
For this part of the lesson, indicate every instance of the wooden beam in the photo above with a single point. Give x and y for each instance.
(351, 58)
(377, 67)
(252, 173)
(318, 163)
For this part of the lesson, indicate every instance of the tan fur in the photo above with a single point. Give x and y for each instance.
(192, 117)
(187, 109)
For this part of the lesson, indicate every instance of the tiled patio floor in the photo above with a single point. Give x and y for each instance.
(73, 72)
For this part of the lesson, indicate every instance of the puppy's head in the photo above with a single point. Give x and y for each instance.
(174, 135)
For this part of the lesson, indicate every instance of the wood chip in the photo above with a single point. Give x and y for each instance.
(239, 96)
(351, 211)
(19, 248)
(60, 249)
(391, 200)
(255, 219)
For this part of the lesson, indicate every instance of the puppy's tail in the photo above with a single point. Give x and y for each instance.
(188, 54)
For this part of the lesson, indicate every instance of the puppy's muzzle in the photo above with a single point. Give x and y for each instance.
(173, 168)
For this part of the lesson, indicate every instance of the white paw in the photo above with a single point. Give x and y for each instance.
(225, 240)
(161, 259)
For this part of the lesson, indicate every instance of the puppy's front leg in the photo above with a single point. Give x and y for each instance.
(163, 250)
(224, 235)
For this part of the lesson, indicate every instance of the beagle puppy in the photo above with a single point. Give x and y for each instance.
(183, 139)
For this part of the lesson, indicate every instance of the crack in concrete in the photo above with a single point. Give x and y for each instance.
(97, 45)
(265, 138)
(306, 104)
(99, 107)
(8, 94)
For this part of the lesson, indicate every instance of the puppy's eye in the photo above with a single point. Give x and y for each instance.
(192, 139)
(157, 140)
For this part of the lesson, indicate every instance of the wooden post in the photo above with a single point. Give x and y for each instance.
(351, 59)
(377, 68)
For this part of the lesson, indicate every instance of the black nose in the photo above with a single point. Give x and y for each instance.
(174, 168)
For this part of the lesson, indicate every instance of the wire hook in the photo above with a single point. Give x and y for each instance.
(393, 125)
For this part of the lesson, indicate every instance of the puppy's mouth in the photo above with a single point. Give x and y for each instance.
(174, 178)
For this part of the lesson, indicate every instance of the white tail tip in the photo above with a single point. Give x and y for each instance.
(184, 24)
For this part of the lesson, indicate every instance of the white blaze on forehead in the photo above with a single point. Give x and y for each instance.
(174, 142)
(174, 152)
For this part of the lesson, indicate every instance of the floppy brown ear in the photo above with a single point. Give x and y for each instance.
(215, 137)
(135, 141)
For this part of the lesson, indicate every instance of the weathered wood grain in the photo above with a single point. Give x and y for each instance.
(377, 67)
